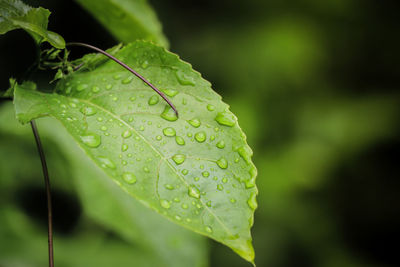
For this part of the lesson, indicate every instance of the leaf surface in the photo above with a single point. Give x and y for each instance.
(14, 14)
(158, 241)
(127, 20)
(196, 170)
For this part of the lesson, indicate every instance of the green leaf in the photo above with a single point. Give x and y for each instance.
(127, 20)
(103, 201)
(196, 170)
(14, 14)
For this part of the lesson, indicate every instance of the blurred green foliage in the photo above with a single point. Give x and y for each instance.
(315, 87)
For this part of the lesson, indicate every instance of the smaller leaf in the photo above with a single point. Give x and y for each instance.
(14, 14)
(127, 20)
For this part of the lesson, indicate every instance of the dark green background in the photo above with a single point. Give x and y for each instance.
(315, 85)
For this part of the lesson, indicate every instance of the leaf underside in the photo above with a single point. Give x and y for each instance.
(14, 14)
(127, 20)
(196, 170)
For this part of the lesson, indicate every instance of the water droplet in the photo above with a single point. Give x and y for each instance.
(222, 163)
(224, 180)
(170, 92)
(141, 128)
(72, 105)
(194, 191)
(220, 187)
(165, 203)
(184, 206)
(208, 229)
(225, 118)
(117, 76)
(95, 89)
(145, 64)
(200, 137)
(126, 134)
(233, 200)
(184, 79)
(109, 86)
(132, 98)
(179, 140)
(169, 131)
(88, 111)
(196, 178)
(194, 122)
(212, 137)
(127, 80)
(91, 140)
(176, 199)
(185, 172)
(124, 147)
(100, 119)
(153, 100)
(178, 218)
(221, 144)
(205, 174)
(169, 114)
(145, 169)
(208, 203)
(103, 128)
(179, 158)
(210, 107)
(158, 137)
(252, 202)
(169, 187)
(129, 177)
(81, 87)
(106, 162)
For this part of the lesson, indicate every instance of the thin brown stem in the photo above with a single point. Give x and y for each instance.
(129, 69)
(48, 193)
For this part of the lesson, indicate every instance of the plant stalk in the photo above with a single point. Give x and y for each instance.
(48, 193)
(129, 69)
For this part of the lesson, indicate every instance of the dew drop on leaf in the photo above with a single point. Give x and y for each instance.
(81, 87)
(252, 202)
(124, 147)
(222, 163)
(220, 187)
(95, 89)
(179, 140)
(126, 134)
(208, 229)
(178, 158)
(194, 122)
(225, 118)
(169, 131)
(153, 100)
(194, 192)
(169, 114)
(129, 177)
(165, 203)
(221, 144)
(169, 187)
(210, 107)
(200, 137)
(170, 92)
(184, 79)
(91, 140)
(106, 162)
(88, 111)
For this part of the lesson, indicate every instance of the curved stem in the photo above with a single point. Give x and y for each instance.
(129, 69)
(48, 194)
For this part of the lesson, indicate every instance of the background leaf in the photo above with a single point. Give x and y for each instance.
(195, 170)
(14, 14)
(147, 238)
(127, 20)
